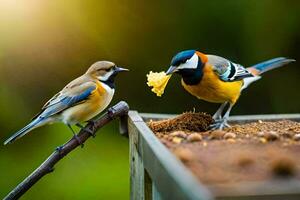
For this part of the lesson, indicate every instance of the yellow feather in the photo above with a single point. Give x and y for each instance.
(212, 89)
(96, 103)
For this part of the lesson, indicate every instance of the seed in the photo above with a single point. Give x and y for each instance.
(230, 140)
(217, 134)
(165, 136)
(263, 140)
(180, 134)
(229, 135)
(261, 134)
(271, 135)
(176, 140)
(159, 135)
(296, 137)
(183, 154)
(194, 137)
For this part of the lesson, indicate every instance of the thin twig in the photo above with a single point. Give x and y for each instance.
(118, 110)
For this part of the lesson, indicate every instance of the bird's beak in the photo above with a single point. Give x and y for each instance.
(171, 70)
(120, 69)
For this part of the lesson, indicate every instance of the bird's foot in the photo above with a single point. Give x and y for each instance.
(111, 112)
(87, 129)
(79, 141)
(90, 131)
(219, 124)
(92, 122)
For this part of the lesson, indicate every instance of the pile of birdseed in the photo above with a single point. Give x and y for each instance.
(189, 121)
(257, 151)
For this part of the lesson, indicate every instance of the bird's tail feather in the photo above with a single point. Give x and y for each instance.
(32, 125)
(269, 65)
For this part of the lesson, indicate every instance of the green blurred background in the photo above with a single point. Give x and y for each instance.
(46, 44)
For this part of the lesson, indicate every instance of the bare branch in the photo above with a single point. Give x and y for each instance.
(118, 110)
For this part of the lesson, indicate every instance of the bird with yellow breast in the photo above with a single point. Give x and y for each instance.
(218, 80)
(79, 101)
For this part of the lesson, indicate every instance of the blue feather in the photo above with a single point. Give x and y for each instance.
(181, 57)
(272, 64)
(75, 99)
(66, 102)
(226, 74)
(24, 130)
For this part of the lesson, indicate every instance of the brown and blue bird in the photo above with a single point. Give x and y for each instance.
(79, 101)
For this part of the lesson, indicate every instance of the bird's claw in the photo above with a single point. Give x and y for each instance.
(91, 132)
(79, 141)
(92, 122)
(86, 129)
(220, 120)
(219, 124)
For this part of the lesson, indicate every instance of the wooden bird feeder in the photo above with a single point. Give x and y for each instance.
(156, 173)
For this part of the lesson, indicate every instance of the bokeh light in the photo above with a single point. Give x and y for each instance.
(46, 44)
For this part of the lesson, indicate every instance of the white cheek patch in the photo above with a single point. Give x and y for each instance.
(106, 76)
(192, 63)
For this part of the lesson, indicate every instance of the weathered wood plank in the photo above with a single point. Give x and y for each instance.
(155, 193)
(147, 186)
(136, 166)
(172, 179)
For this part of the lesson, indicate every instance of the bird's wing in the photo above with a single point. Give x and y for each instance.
(71, 95)
(227, 70)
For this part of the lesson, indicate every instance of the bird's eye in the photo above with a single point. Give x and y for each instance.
(107, 70)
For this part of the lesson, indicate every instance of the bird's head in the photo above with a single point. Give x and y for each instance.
(105, 71)
(188, 64)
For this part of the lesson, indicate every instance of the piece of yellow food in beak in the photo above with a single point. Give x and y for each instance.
(158, 80)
